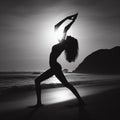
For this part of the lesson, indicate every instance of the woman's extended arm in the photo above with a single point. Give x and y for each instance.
(69, 17)
(70, 24)
(58, 24)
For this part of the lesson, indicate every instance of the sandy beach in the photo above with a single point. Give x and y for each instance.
(102, 103)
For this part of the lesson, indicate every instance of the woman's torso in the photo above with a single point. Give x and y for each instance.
(55, 53)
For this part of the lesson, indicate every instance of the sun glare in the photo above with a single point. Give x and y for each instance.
(59, 33)
(56, 95)
(50, 35)
(54, 36)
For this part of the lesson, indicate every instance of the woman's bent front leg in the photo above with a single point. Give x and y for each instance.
(38, 80)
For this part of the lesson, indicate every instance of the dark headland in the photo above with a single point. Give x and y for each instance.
(103, 61)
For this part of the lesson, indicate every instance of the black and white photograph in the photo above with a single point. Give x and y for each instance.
(59, 59)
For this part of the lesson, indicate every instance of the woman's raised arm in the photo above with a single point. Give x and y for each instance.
(73, 18)
(62, 21)
(58, 24)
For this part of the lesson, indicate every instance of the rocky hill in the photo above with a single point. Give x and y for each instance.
(103, 61)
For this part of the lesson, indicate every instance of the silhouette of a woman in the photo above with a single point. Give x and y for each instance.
(70, 46)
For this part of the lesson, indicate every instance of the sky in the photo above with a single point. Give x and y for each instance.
(27, 30)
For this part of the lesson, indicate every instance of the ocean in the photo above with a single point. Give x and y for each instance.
(10, 80)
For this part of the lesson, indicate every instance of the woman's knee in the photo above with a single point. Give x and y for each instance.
(37, 80)
(68, 85)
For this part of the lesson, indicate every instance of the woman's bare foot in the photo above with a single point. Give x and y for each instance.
(36, 106)
(81, 103)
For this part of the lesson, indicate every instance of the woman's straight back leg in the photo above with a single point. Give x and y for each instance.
(59, 74)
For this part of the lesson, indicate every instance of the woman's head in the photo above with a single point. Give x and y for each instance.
(71, 48)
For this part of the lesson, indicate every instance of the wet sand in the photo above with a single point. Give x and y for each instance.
(102, 103)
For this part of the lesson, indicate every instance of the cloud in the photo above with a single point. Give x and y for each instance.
(24, 7)
(106, 7)
(28, 7)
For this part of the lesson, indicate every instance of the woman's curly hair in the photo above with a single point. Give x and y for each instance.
(71, 49)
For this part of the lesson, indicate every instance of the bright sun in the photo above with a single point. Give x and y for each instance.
(59, 33)
(51, 36)
(54, 36)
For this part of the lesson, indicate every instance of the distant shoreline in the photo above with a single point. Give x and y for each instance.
(19, 72)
